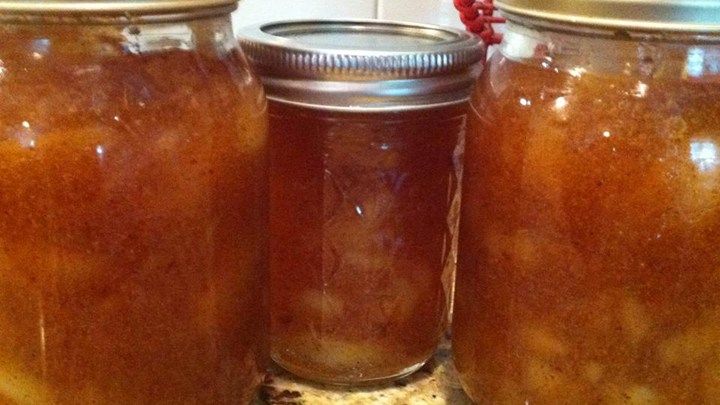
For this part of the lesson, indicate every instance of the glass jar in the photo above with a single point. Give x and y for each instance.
(366, 129)
(133, 219)
(588, 260)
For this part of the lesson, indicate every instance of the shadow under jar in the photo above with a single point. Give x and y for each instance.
(366, 129)
(588, 260)
(132, 205)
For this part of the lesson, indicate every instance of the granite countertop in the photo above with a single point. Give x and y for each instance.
(435, 383)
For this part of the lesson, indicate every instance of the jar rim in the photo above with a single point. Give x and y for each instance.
(676, 16)
(150, 9)
(363, 65)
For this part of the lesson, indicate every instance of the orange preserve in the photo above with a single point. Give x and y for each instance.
(366, 129)
(132, 205)
(589, 269)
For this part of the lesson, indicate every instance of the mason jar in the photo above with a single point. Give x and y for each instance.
(367, 122)
(588, 260)
(132, 204)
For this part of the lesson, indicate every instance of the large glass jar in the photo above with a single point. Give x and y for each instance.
(366, 129)
(132, 205)
(588, 262)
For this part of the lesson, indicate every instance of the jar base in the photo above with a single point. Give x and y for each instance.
(359, 381)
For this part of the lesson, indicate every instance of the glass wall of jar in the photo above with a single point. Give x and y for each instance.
(366, 129)
(132, 195)
(588, 261)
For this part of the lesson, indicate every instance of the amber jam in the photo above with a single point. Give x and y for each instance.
(132, 216)
(362, 225)
(589, 269)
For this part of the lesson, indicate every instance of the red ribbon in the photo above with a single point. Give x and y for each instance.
(477, 15)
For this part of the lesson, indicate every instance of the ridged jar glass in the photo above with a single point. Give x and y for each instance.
(367, 123)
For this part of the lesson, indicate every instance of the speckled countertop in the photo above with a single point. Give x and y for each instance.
(435, 383)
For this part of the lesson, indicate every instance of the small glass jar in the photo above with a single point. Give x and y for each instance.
(366, 127)
(588, 259)
(133, 212)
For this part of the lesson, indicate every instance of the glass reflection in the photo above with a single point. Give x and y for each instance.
(640, 90)
(560, 103)
(704, 154)
(695, 64)
(100, 151)
(577, 72)
(40, 48)
(25, 135)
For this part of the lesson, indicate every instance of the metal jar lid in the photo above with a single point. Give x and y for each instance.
(160, 9)
(363, 65)
(690, 16)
